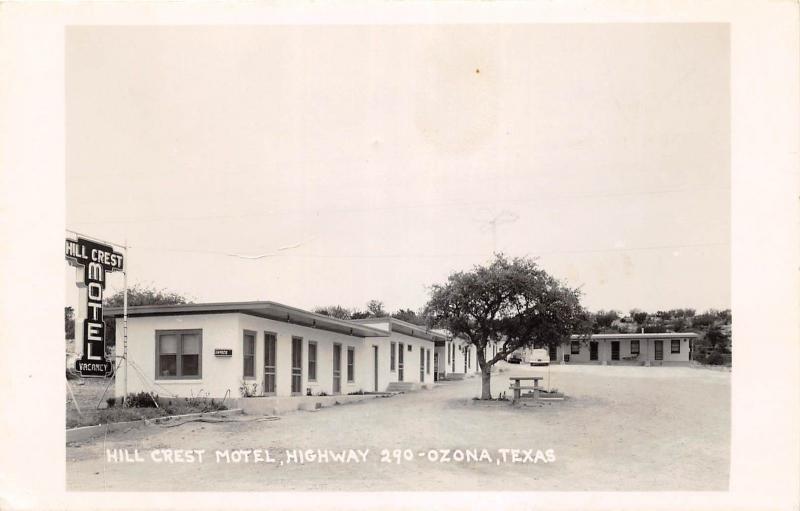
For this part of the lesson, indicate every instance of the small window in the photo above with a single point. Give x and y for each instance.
(409, 348)
(350, 363)
(249, 351)
(676, 346)
(634, 347)
(575, 348)
(392, 350)
(178, 353)
(312, 361)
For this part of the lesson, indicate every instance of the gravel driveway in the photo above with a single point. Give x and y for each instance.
(621, 428)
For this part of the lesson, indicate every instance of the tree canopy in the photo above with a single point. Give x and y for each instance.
(513, 302)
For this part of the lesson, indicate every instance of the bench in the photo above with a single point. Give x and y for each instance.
(518, 387)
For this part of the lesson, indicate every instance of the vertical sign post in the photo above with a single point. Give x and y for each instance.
(96, 260)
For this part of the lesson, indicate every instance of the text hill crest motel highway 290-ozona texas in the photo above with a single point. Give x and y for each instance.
(96, 259)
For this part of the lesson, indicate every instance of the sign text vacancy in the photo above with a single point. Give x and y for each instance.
(96, 260)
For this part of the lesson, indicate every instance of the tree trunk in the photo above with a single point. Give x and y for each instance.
(486, 382)
(486, 373)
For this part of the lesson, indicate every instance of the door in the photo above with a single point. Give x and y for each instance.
(466, 352)
(421, 365)
(400, 354)
(269, 363)
(552, 350)
(614, 350)
(659, 349)
(297, 366)
(593, 350)
(375, 371)
(435, 366)
(337, 368)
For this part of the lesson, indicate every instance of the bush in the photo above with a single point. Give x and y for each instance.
(141, 400)
(111, 401)
(715, 359)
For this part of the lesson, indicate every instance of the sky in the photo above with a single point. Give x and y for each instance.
(371, 161)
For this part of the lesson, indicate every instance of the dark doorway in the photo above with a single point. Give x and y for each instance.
(421, 365)
(400, 355)
(269, 363)
(659, 349)
(337, 368)
(593, 350)
(614, 350)
(375, 357)
(553, 352)
(297, 366)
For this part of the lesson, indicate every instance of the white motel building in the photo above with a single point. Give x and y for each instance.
(270, 349)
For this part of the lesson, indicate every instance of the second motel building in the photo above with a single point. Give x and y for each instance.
(276, 350)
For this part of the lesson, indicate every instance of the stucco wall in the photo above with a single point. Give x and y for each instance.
(646, 350)
(222, 374)
(410, 358)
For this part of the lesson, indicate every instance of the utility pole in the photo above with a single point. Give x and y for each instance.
(504, 217)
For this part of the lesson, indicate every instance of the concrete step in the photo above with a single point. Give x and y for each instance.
(402, 386)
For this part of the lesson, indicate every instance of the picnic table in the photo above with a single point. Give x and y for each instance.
(517, 386)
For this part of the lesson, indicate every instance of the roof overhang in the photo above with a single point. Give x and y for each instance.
(405, 328)
(268, 310)
(667, 335)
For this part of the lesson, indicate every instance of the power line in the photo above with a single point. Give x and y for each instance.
(420, 205)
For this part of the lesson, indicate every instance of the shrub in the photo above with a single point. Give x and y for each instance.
(111, 401)
(141, 400)
(715, 359)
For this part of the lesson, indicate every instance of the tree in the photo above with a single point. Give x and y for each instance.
(375, 308)
(410, 316)
(640, 317)
(334, 311)
(512, 302)
(139, 295)
(69, 323)
(605, 319)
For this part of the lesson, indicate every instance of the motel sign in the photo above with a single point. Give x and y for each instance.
(96, 260)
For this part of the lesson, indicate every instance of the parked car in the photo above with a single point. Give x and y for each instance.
(514, 359)
(539, 357)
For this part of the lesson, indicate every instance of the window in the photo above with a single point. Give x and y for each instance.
(350, 363)
(676, 346)
(178, 353)
(575, 348)
(249, 351)
(312, 361)
(392, 349)
(634, 347)
(409, 347)
(428, 362)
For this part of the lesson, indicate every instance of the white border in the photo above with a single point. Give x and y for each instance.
(765, 244)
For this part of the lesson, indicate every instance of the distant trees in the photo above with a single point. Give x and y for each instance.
(640, 317)
(334, 311)
(374, 309)
(604, 319)
(139, 295)
(144, 295)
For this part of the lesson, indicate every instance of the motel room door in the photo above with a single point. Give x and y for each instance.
(337, 368)
(400, 353)
(659, 349)
(614, 350)
(435, 366)
(552, 351)
(593, 350)
(421, 365)
(269, 364)
(375, 371)
(297, 366)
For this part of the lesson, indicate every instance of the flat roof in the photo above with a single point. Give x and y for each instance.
(667, 335)
(269, 310)
(404, 327)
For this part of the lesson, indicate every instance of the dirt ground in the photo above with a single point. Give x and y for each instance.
(621, 428)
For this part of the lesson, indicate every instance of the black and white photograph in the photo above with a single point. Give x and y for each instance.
(334, 258)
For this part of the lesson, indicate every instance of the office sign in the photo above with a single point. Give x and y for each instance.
(223, 353)
(96, 260)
